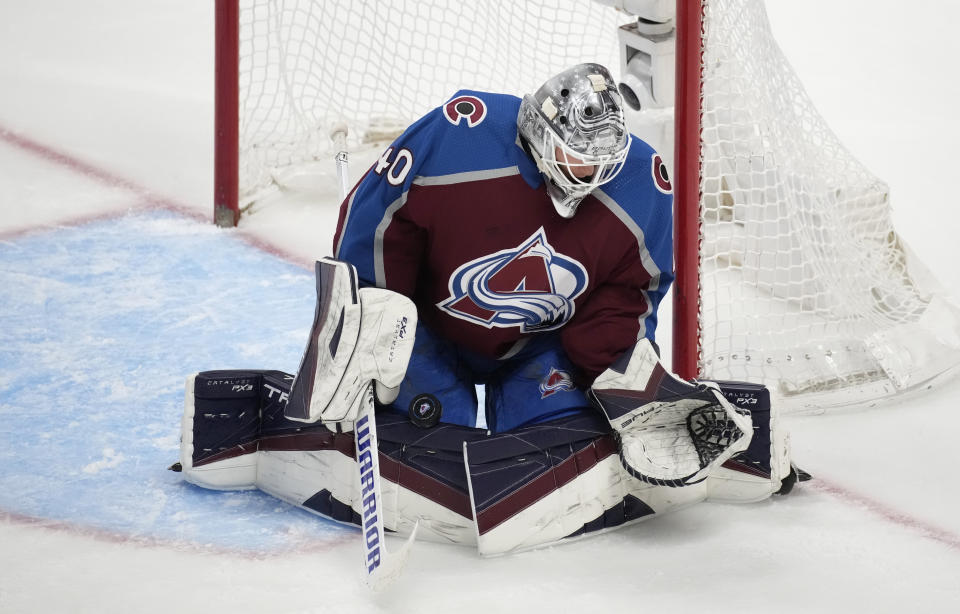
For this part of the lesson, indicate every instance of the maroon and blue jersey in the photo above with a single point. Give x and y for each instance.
(456, 216)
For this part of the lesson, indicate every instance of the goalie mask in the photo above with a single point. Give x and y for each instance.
(575, 130)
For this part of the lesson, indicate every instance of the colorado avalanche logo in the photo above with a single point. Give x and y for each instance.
(555, 381)
(470, 107)
(530, 286)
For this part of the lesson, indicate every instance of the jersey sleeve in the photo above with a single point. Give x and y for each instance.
(623, 307)
(382, 236)
(373, 233)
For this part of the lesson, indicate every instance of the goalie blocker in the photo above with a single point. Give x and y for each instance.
(505, 492)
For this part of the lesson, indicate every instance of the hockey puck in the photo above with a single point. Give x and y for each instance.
(425, 410)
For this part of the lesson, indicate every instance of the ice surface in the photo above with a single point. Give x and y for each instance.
(102, 323)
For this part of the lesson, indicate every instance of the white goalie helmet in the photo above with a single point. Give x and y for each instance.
(573, 122)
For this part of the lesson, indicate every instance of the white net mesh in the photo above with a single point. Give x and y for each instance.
(805, 284)
(379, 64)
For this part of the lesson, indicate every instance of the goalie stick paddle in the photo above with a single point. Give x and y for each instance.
(381, 568)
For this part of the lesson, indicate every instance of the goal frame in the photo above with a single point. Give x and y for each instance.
(686, 188)
(860, 349)
(226, 154)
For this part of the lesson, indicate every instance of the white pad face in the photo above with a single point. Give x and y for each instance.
(672, 433)
(296, 476)
(357, 336)
(551, 519)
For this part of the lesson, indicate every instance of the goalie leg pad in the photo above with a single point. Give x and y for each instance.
(527, 488)
(221, 426)
(423, 477)
(558, 480)
(235, 436)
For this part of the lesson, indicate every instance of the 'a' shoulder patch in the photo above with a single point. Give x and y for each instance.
(469, 107)
(660, 176)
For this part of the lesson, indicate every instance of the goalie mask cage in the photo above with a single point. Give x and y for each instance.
(789, 270)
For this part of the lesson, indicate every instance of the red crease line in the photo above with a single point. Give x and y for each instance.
(928, 530)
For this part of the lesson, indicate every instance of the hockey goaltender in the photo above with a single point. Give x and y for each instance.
(519, 244)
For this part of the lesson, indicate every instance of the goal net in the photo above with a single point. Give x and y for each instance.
(804, 284)
(793, 275)
(378, 65)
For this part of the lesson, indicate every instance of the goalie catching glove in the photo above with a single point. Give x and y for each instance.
(358, 335)
(671, 432)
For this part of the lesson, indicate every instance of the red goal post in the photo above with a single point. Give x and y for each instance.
(686, 190)
(226, 159)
